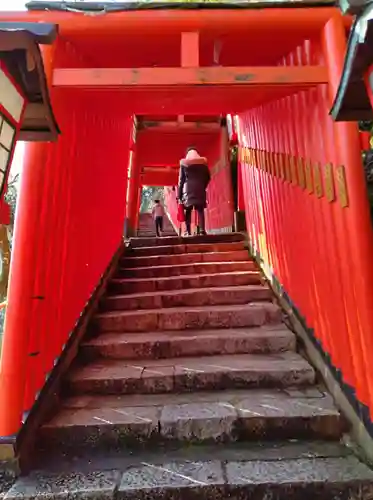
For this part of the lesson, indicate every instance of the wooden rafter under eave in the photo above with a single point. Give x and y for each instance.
(185, 77)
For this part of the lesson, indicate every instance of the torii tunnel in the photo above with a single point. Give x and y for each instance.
(130, 91)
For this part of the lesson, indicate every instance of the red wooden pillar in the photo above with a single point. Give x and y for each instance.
(240, 193)
(133, 187)
(16, 333)
(20, 294)
(138, 204)
(240, 166)
(357, 213)
(190, 59)
(225, 159)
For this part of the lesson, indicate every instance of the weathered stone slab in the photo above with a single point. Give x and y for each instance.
(186, 269)
(199, 418)
(302, 470)
(185, 298)
(197, 240)
(185, 258)
(172, 344)
(89, 486)
(184, 248)
(190, 318)
(83, 459)
(106, 378)
(195, 479)
(8, 474)
(331, 478)
(199, 422)
(285, 417)
(192, 374)
(146, 285)
(103, 426)
(158, 379)
(241, 371)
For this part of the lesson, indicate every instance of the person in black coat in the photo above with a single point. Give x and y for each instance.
(194, 177)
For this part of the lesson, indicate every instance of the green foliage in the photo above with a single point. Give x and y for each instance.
(149, 194)
(366, 126)
(11, 198)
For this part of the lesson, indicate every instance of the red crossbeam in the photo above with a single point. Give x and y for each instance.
(186, 77)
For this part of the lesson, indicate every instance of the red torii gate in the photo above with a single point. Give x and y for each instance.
(284, 170)
(159, 148)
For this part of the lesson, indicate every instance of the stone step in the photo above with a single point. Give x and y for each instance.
(186, 269)
(192, 297)
(151, 229)
(184, 248)
(150, 224)
(240, 371)
(228, 416)
(189, 318)
(281, 471)
(165, 234)
(143, 285)
(178, 240)
(184, 258)
(161, 345)
(149, 219)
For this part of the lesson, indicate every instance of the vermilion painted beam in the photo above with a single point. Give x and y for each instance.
(195, 127)
(159, 179)
(160, 168)
(148, 78)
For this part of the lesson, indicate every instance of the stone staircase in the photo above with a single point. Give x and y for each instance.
(189, 386)
(146, 226)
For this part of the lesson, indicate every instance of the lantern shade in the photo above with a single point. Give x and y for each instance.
(21, 55)
(352, 101)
